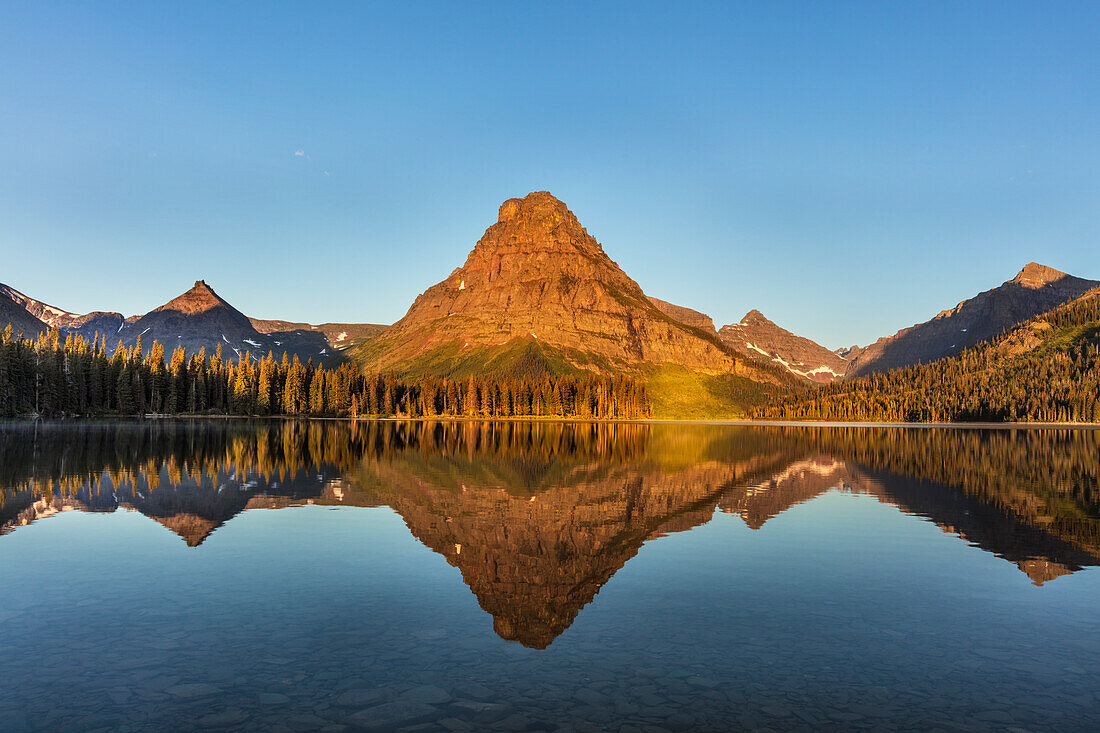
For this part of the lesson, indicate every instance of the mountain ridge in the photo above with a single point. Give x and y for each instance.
(1035, 289)
(197, 318)
(538, 295)
(759, 338)
(14, 311)
(687, 316)
(1046, 369)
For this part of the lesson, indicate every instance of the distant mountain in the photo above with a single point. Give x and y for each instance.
(196, 319)
(1035, 290)
(107, 324)
(849, 353)
(758, 338)
(47, 314)
(687, 316)
(539, 295)
(87, 324)
(1046, 369)
(200, 318)
(340, 336)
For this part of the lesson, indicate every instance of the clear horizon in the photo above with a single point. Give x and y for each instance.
(847, 170)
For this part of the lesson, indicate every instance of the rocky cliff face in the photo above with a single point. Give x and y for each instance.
(758, 338)
(686, 316)
(537, 276)
(1036, 289)
(849, 352)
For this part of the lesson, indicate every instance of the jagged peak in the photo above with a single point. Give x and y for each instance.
(536, 222)
(535, 203)
(1034, 274)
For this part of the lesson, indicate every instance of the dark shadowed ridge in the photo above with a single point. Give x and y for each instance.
(1036, 289)
(14, 312)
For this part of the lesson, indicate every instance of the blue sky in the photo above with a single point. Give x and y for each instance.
(847, 168)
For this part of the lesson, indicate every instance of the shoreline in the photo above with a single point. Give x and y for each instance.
(647, 421)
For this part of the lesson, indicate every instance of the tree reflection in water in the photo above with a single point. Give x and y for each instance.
(538, 516)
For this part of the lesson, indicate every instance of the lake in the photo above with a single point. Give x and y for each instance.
(462, 576)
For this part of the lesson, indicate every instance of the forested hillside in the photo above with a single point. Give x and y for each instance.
(54, 378)
(1045, 370)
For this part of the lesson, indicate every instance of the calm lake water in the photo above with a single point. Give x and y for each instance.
(537, 576)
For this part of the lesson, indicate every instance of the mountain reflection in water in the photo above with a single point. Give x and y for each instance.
(538, 516)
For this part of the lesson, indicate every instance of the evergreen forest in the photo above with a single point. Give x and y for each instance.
(1045, 370)
(54, 377)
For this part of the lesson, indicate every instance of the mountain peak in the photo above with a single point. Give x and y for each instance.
(537, 222)
(538, 276)
(1035, 290)
(534, 204)
(755, 317)
(199, 299)
(762, 340)
(1035, 275)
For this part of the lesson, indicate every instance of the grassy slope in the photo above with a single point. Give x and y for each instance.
(518, 358)
(675, 392)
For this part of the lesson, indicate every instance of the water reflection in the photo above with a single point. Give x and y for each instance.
(537, 517)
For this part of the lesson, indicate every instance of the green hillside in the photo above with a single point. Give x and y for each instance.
(675, 392)
(1045, 370)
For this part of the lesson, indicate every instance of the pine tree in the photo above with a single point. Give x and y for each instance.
(317, 393)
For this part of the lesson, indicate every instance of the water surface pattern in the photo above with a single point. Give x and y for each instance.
(462, 576)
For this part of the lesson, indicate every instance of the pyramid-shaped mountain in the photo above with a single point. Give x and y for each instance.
(200, 318)
(538, 291)
(1036, 289)
(757, 337)
(198, 307)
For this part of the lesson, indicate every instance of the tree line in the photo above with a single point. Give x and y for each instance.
(1047, 370)
(51, 376)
